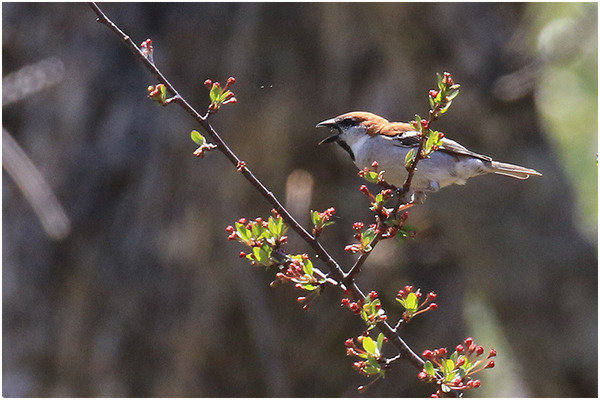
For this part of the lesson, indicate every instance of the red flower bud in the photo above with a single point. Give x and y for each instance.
(433, 306)
(242, 254)
(433, 93)
(460, 348)
(428, 354)
(480, 350)
(230, 80)
(373, 295)
(208, 84)
(492, 353)
(474, 384)
(469, 341)
(490, 364)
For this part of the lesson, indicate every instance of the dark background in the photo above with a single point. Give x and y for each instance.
(144, 295)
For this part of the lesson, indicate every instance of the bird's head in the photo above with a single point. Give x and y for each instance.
(352, 126)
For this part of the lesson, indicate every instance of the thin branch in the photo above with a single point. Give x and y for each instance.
(361, 260)
(335, 270)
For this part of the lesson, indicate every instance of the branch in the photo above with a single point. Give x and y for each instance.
(440, 100)
(335, 270)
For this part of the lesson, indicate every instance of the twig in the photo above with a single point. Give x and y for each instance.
(334, 269)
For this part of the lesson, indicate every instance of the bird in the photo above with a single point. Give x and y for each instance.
(370, 138)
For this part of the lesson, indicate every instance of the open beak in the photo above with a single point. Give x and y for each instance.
(331, 124)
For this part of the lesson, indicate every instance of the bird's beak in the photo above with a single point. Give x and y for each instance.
(328, 123)
(331, 124)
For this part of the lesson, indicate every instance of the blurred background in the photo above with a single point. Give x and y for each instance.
(118, 278)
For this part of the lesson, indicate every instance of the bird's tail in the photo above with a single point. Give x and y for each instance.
(514, 171)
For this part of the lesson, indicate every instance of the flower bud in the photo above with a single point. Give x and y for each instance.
(208, 84)
(480, 350)
(428, 354)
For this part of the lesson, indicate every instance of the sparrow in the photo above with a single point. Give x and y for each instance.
(368, 137)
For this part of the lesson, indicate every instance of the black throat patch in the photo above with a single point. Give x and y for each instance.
(345, 146)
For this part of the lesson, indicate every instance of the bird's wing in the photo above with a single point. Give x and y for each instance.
(453, 148)
(404, 135)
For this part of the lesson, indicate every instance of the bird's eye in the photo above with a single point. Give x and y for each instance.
(347, 122)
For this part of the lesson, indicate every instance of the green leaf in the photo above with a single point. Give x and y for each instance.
(215, 92)
(447, 366)
(262, 254)
(372, 177)
(198, 138)
(314, 216)
(454, 356)
(244, 233)
(276, 226)
(429, 369)
(380, 339)
(369, 345)
(309, 286)
(411, 302)
(223, 95)
(308, 267)
(163, 93)
(409, 158)
(256, 230)
(453, 94)
(446, 107)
